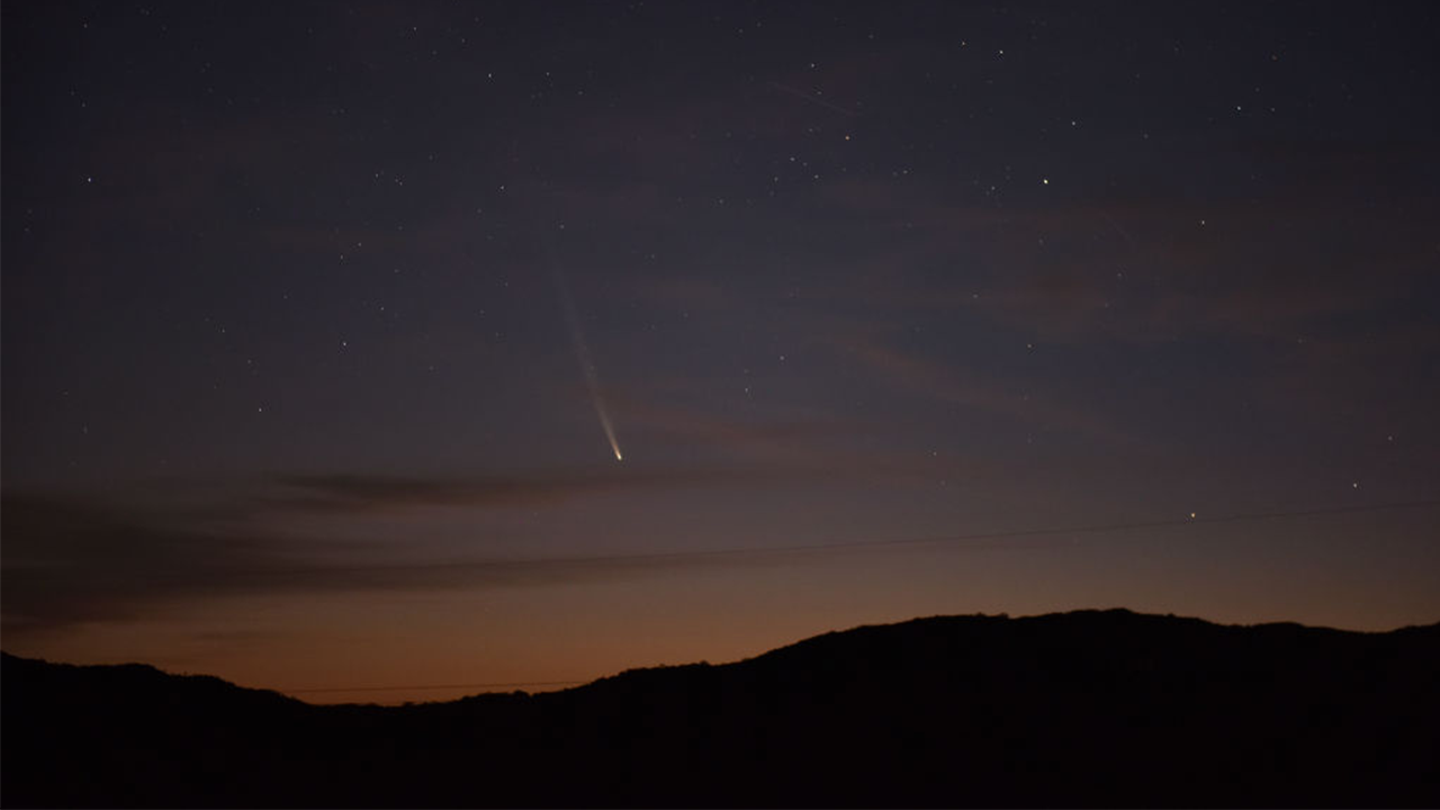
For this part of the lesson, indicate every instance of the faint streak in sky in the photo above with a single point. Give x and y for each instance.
(1119, 230)
(814, 99)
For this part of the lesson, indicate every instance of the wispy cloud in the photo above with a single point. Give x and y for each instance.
(72, 558)
(365, 493)
(1293, 252)
(971, 390)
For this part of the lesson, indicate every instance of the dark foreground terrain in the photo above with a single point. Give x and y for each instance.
(1089, 708)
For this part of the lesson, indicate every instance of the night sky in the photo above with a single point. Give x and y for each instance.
(326, 325)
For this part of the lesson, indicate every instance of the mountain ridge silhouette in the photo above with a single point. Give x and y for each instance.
(1086, 708)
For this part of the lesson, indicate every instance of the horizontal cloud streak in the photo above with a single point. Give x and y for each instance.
(359, 493)
(73, 558)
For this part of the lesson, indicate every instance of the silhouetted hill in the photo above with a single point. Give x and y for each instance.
(1088, 708)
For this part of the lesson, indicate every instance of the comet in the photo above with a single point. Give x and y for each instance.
(582, 353)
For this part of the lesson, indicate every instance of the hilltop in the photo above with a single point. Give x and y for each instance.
(1078, 709)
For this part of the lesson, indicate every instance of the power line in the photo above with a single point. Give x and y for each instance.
(1189, 520)
(979, 541)
(429, 686)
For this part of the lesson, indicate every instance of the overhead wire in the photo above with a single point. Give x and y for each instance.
(1188, 520)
